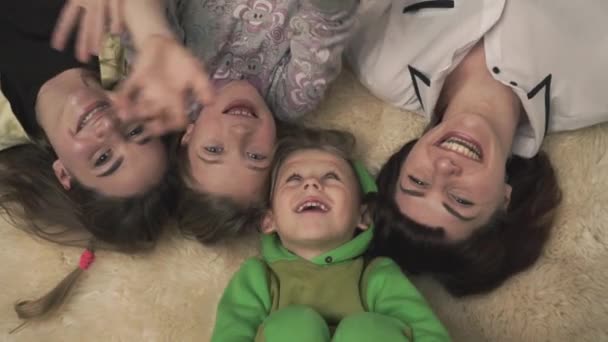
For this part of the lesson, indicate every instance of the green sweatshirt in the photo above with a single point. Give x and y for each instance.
(336, 284)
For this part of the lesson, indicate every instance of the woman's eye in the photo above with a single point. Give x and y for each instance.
(103, 158)
(293, 177)
(214, 149)
(417, 181)
(331, 175)
(462, 201)
(135, 131)
(255, 156)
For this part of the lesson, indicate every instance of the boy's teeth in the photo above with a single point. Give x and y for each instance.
(462, 147)
(313, 204)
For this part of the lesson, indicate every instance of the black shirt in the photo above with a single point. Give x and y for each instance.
(27, 60)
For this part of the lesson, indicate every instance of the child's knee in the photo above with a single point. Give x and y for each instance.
(369, 326)
(295, 323)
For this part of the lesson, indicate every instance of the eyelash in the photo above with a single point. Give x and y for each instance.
(457, 199)
(214, 149)
(103, 158)
(293, 177)
(255, 156)
(135, 131)
(331, 175)
(417, 181)
(462, 201)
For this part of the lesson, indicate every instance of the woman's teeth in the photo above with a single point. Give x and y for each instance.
(462, 147)
(90, 114)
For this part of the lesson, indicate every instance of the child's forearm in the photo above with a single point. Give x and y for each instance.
(388, 292)
(146, 18)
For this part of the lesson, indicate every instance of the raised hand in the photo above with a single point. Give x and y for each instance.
(92, 19)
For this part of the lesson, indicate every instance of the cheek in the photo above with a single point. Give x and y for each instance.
(76, 149)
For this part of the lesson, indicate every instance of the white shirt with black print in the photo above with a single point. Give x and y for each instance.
(552, 53)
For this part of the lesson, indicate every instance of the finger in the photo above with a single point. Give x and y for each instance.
(70, 13)
(129, 89)
(98, 18)
(156, 128)
(84, 32)
(116, 19)
(203, 88)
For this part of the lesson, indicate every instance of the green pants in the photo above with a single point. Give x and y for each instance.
(303, 324)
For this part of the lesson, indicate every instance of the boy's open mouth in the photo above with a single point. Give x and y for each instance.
(312, 206)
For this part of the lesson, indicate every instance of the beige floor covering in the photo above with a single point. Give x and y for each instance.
(171, 293)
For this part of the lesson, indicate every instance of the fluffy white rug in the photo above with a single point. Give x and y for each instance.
(171, 293)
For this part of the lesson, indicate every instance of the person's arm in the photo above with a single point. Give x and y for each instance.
(389, 292)
(321, 30)
(244, 305)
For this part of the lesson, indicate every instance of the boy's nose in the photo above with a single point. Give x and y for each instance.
(312, 182)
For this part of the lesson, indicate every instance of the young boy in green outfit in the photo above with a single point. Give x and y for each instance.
(312, 283)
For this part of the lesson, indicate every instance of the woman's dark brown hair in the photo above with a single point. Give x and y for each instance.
(508, 243)
(32, 198)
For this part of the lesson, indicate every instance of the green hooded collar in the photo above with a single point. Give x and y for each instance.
(273, 250)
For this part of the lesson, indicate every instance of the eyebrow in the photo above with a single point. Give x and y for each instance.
(249, 166)
(457, 214)
(447, 207)
(112, 168)
(144, 141)
(410, 192)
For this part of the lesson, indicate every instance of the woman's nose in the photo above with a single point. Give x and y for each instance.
(103, 126)
(446, 166)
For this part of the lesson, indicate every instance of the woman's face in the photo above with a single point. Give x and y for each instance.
(91, 144)
(230, 145)
(454, 176)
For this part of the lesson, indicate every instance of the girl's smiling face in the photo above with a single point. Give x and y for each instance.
(230, 145)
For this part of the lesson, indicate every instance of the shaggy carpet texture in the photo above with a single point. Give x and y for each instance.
(171, 294)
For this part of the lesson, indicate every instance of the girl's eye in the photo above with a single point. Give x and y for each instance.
(255, 156)
(103, 158)
(214, 149)
(332, 175)
(136, 131)
(293, 177)
(462, 201)
(417, 181)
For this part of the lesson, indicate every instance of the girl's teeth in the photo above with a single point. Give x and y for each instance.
(242, 112)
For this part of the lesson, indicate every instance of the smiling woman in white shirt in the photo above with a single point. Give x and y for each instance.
(472, 200)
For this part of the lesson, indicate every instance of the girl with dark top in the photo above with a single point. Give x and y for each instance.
(84, 175)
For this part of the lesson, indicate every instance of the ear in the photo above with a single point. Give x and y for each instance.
(62, 174)
(187, 135)
(508, 190)
(365, 220)
(268, 223)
